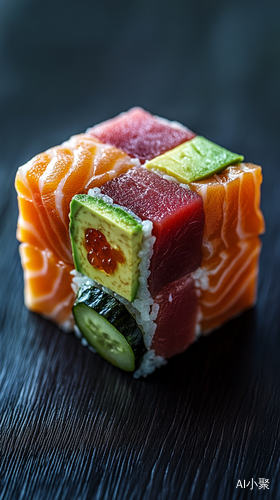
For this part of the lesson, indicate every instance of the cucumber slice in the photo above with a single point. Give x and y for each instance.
(109, 328)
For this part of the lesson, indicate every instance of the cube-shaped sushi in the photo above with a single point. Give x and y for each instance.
(164, 237)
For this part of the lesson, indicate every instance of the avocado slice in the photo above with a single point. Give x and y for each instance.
(194, 160)
(114, 261)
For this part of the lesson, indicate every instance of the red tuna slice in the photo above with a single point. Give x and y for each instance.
(178, 220)
(141, 134)
(177, 318)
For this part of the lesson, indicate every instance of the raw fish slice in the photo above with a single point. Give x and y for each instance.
(232, 278)
(33, 216)
(231, 203)
(177, 318)
(47, 285)
(27, 228)
(178, 220)
(141, 134)
(230, 247)
(46, 185)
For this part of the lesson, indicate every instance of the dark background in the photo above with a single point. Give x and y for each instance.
(72, 426)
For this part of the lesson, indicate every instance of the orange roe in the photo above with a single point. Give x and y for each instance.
(100, 253)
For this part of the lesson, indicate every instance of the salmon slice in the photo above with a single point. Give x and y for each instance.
(228, 283)
(46, 185)
(233, 220)
(231, 202)
(47, 285)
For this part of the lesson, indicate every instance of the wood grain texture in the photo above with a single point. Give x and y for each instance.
(71, 425)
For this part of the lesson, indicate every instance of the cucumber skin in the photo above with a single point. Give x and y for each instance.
(116, 314)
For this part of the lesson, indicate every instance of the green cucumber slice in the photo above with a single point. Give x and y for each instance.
(109, 327)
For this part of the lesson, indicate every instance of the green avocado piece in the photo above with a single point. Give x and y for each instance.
(122, 232)
(194, 160)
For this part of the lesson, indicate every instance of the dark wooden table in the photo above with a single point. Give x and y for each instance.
(71, 425)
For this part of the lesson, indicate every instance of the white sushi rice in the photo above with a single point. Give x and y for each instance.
(149, 363)
(143, 308)
(201, 279)
(201, 282)
(96, 192)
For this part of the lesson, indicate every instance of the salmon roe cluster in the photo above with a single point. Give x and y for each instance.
(100, 253)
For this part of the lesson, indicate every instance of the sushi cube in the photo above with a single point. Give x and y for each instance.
(197, 269)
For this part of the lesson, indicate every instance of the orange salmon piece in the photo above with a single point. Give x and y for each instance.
(75, 179)
(102, 172)
(31, 175)
(50, 181)
(231, 203)
(227, 278)
(232, 283)
(47, 285)
(27, 231)
(29, 224)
